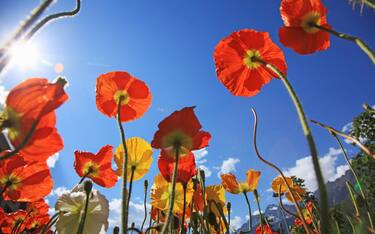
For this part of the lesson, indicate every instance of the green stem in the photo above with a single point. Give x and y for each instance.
(150, 221)
(260, 211)
(351, 224)
(278, 170)
(124, 208)
(356, 179)
(283, 207)
(249, 209)
(173, 192)
(50, 222)
(144, 204)
(218, 207)
(130, 185)
(346, 136)
(361, 44)
(83, 217)
(311, 143)
(183, 211)
(351, 192)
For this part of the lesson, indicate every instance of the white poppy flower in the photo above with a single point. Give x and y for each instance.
(71, 205)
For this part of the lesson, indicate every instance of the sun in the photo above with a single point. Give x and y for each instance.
(24, 55)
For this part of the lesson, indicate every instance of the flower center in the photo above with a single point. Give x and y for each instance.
(11, 182)
(121, 96)
(249, 61)
(177, 139)
(91, 169)
(309, 20)
(12, 121)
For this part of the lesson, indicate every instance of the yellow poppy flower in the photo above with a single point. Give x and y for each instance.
(216, 193)
(161, 192)
(230, 183)
(139, 157)
(278, 181)
(298, 193)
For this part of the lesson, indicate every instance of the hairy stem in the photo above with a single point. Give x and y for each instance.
(249, 209)
(83, 217)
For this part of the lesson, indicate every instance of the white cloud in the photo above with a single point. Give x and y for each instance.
(256, 212)
(347, 127)
(3, 95)
(51, 161)
(59, 191)
(236, 222)
(228, 166)
(304, 169)
(136, 213)
(200, 160)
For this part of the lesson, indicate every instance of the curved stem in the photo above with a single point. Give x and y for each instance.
(124, 208)
(134, 229)
(299, 211)
(356, 179)
(351, 192)
(173, 193)
(311, 143)
(249, 209)
(85, 176)
(346, 136)
(144, 206)
(283, 207)
(260, 211)
(50, 222)
(183, 211)
(361, 44)
(83, 217)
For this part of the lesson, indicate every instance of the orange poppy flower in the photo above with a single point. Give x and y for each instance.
(113, 87)
(97, 167)
(279, 184)
(216, 193)
(230, 183)
(186, 168)
(32, 100)
(37, 207)
(266, 230)
(235, 66)
(298, 193)
(298, 32)
(23, 181)
(36, 221)
(182, 129)
(197, 198)
(306, 215)
(13, 219)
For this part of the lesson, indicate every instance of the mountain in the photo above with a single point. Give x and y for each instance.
(337, 193)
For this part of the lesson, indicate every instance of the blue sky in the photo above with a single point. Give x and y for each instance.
(169, 45)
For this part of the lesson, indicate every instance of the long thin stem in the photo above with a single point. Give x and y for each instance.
(183, 211)
(218, 207)
(83, 217)
(260, 210)
(249, 209)
(311, 143)
(150, 221)
(356, 179)
(346, 136)
(283, 207)
(144, 204)
(50, 222)
(299, 211)
(351, 224)
(361, 44)
(132, 170)
(173, 192)
(337, 227)
(124, 208)
(351, 192)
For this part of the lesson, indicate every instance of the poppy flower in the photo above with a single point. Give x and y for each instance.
(119, 86)
(37, 207)
(299, 32)
(216, 193)
(266, 230)
(23, 181)
(180, 130)
(279, 184)
(36, 221)
(139, 157)
(12, 220)
(235, 65)
(198, 198)
(71, 205)
(186, 168)
(97, 167)
(306, 214)
(298, 193)
(161, 192)
(230, 183)
(34, 101)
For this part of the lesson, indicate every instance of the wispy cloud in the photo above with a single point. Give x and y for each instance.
(51, 161)
(200, 159)
(227, 166)
(136, 209)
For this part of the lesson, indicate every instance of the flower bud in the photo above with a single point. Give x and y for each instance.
(87, 186)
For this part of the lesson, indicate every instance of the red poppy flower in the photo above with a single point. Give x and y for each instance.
(266, 230)
(37, 207)
(182, 129)
(186, 168)
(2, 216)
(97, 167)
(23, 181)
(235, 65)
(36, 221)
(113, 87)
(32, 100)
(12, 220)
(198, 199)
(299, 32)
